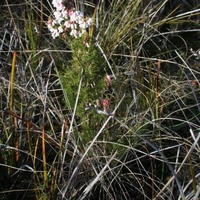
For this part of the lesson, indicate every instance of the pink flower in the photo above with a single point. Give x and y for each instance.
(106, 103)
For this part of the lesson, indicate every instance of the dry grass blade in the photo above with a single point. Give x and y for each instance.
(96, 179)
(179, 168)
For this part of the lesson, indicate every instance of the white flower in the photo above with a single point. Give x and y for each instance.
(89, 22)
(74, 33)
(58, 4)
(58, 16)
(60, 29)
(72, 17)
(55, 33)
(79, 16)
(73, 26)
(83, 25)
(67, 24)
(65, 13)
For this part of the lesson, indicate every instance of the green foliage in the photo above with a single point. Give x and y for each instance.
(87, 64)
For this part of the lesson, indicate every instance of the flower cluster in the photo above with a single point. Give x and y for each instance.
(67, 21)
